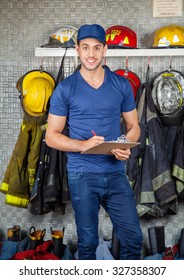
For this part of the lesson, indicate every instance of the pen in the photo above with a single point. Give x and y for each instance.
(93, 132)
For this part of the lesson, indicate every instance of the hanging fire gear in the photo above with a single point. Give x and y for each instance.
(63, 37)
(132, 78)
(50, 191)
(20, 175)
(38, 206)
(36, 87)
(119, 36)
(148, 168)
(168, 97)
(178, 161)
(170, 36)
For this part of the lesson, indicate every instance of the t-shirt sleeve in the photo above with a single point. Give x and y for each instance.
(58, 103)
(128, 103)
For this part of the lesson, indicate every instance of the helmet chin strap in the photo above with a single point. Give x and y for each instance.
(60, 75)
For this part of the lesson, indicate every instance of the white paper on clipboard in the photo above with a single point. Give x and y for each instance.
(106, 147)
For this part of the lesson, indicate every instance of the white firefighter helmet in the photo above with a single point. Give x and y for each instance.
(63, 37)
(168, 96)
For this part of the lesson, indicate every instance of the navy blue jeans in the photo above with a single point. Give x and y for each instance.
(114, 193)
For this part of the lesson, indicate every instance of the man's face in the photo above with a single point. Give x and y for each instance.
(91, 53)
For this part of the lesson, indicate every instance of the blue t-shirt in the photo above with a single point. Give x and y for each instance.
(87, 109)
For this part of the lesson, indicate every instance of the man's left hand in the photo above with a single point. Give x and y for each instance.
(121, 154)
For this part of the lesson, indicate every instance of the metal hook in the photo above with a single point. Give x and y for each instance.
(170, 63)
(41, 65)
(126, 63)
(126, 66)
(148, 70)
(148, 61)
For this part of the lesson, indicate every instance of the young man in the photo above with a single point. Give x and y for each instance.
(94, 99)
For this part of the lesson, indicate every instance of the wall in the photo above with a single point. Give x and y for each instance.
(25, 25)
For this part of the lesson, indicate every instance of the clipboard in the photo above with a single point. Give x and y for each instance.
(105, 148)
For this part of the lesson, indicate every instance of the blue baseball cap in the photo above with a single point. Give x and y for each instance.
(95, 31)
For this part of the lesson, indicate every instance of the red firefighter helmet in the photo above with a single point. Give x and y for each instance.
(132, 78)
(119, 36)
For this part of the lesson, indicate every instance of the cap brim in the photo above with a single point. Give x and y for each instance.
(94, 37)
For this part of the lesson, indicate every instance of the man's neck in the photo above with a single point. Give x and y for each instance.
(94, 78)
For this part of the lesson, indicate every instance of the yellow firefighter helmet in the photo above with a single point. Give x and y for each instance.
(36, 88)
(168, 36)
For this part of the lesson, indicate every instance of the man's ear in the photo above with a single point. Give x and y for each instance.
(105, 50)
(77, 49)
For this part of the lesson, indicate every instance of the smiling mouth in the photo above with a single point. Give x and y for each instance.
(91, 61)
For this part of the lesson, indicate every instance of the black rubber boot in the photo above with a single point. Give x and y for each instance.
(181, 244)
(57, 238)
(35, 237)
(156, 239)
(14, 233)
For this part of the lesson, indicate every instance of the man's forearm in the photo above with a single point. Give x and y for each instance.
(64, 143)
(133, 134)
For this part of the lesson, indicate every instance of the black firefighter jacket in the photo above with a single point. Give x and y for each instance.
(50, 191)
(148, 168)
(178, 161)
